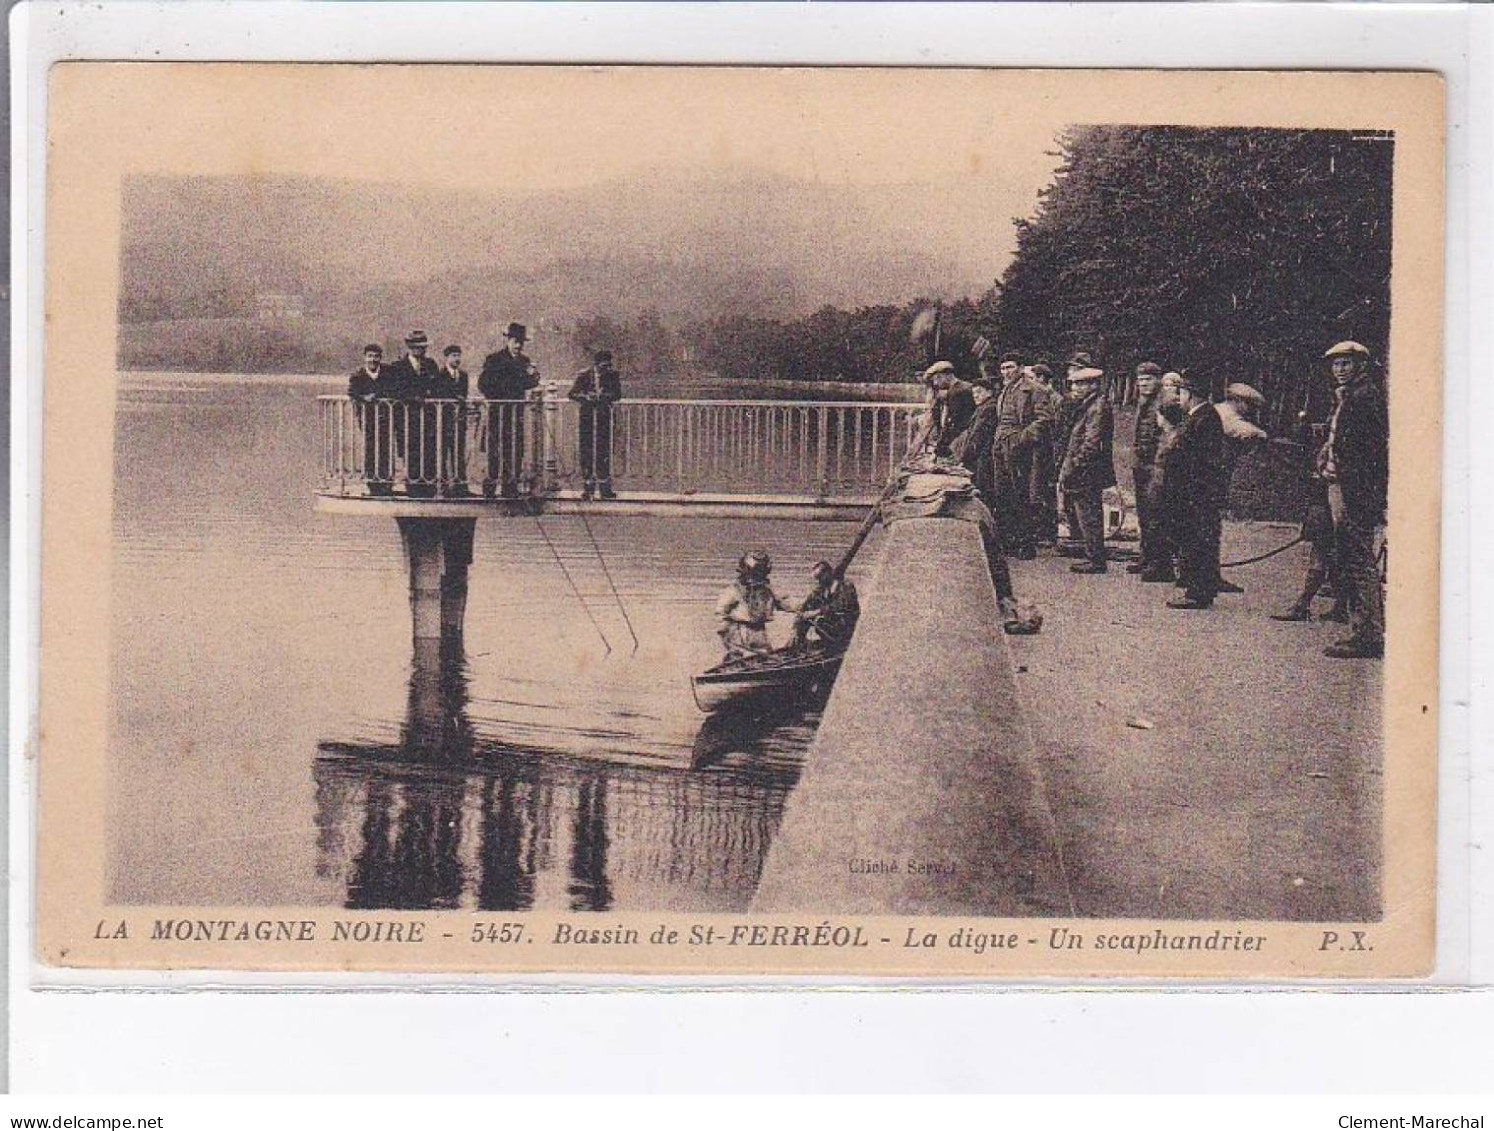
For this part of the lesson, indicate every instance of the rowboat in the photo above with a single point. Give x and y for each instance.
(786, 671)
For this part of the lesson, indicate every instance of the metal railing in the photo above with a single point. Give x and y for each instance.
(546, 445)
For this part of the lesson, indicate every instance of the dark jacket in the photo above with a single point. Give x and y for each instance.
(506, 376)
(362, 387)
(834, 612)
(597, 386)
(1088, 461)
(1148, 432)
(452, 385)
(1192, 464)
(1064, 412)
(1024, 414)
(411, 379)
(1357, 455)
(973, 448)
(952, 414)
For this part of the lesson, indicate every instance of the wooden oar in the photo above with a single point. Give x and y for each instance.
(866, 527)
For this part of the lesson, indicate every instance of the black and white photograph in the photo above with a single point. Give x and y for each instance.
(688, 519)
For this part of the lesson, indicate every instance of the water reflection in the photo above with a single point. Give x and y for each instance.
(754, 725)
(447, 818)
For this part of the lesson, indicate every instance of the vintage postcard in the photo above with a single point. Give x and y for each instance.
(923, 523)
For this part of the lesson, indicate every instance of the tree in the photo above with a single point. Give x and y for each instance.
(1241, 251)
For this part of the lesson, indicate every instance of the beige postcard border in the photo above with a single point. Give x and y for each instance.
(108, 120)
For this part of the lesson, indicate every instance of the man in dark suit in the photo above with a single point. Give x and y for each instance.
(367, 386)
(507, 377)
(1355, 464)
(415, 379)
(452, 386)
(1192, 466)
(596, 390)
(1088, 466)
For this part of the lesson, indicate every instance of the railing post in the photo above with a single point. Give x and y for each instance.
(822, 440)
(550, 401)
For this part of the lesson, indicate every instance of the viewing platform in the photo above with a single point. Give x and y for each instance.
(437, 466)
(714, 459)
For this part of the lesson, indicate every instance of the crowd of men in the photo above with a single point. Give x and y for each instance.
(1037, 451)
(415, 411)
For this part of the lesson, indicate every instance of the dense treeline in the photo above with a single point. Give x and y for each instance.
(869, 344)
(1243, 252)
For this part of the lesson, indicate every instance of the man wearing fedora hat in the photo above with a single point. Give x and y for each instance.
(1192, 469)
(414, 379)
(415, 375)
(1088, 466)
(1355, 463)
(507, 377)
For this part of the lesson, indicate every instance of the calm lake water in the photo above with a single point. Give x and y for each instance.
(276, 740)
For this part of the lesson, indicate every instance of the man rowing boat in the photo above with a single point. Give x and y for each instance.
(829, 612)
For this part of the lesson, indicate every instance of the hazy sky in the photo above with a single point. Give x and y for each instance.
(969, 149)
(550, 127)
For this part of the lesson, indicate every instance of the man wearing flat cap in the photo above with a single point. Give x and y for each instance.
(972, 447)
(1155, 563)
(1237, 413)
(1024, 421)
(1050, 454)
(1193, 487)
(950, 407)
(506, 379)
(1065, 410)
(596, 390)
(1088, 466)
(1355, 463)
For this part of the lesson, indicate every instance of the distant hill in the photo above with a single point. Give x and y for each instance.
(461, 262)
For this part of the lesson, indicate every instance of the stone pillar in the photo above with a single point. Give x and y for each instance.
(439, 552)
(456, 557)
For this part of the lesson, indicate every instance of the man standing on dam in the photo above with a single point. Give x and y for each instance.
(1024, 416)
